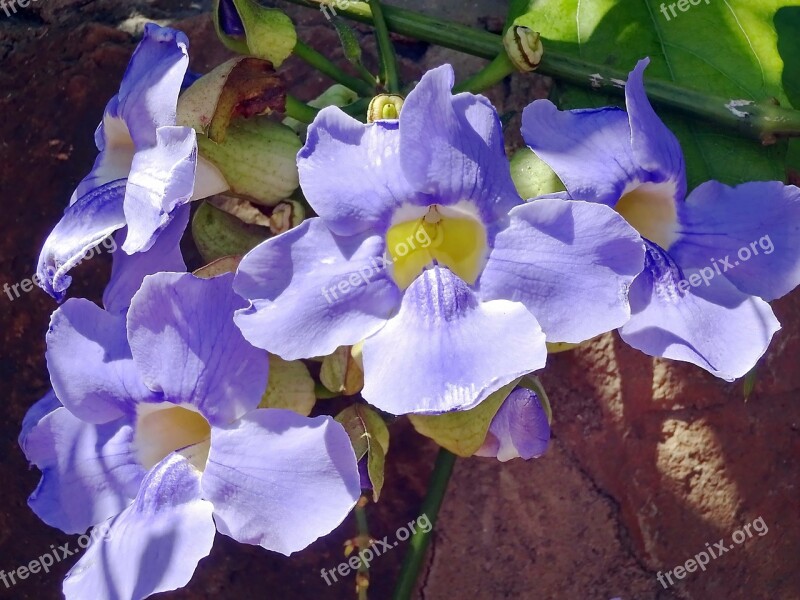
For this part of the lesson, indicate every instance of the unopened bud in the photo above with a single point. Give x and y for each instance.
(524, 47)
(385, 107)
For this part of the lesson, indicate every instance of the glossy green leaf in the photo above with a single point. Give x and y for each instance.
(725, 48)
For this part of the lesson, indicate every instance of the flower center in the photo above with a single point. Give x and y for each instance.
(165, 428)
(650, 209)
(451, 236)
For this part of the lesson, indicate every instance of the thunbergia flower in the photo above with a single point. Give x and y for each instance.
(519, 429)
(712, 258)
(154, 432)
(147, 168)
(424, 250)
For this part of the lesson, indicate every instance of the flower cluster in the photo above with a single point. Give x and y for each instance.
(164, 424)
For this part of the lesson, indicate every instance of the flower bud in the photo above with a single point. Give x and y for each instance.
(385, 107)
(246, 27)
(532, 176)
(217, 233)
(523, 46)
(520, 429)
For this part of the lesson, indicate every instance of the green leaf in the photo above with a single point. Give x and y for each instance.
(462, 433)
(727, 49)
(290, 387)
(369, 436)
(269, 33)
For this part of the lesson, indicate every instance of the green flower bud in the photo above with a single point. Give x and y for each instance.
(247, 27)
(385, 107)
(523, 46)
(218, 234)
(257, 158)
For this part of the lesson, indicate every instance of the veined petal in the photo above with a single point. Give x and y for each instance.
(351, 173)
(187, 347)
(154, 545)
(570, 263)
(89, 472)
(129, 270)
(452, 147)
(749, 233)
(312, 291)
(148, 94)
(161, 180)
(43, 407)
(90, 363)
(280, 480)
(715, 326)
(518, 430)
(589, 150)
(446, 350)
(85, 224)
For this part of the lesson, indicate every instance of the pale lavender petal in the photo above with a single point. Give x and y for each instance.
(655, 147)
(312, 291)
(280, 480)
(452, 147)
(518, 430)
(43, 407)
(351, 173)
(154, 545)
(90, 363)
(445, 350)
(85, 224)
(89, 472)
(148, 94)
(129, 270)
(715, 326)
(570, 263)
(749, 233)
(161, 180)
(187, 347)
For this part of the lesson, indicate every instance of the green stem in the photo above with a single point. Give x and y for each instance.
(385, 48)
(325, 66)
(764, 122)
(418, 544)
(364, 542)
(300, 110)
(492, 74)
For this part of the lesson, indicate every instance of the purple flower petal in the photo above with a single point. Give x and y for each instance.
(601, 154)
(129, 270)
(715, 326)
(312, 291)
(518, 430)
(280, 480)
(43, 407)
(749, 233)
(89, 472)
(445, 350)
(229, 20)
(187, 347)
(148, 94)
(160, 181)
(154, 545)
(90, 363)
(570, 263)
(351, 173)
(85, 224)
(452, 147)
(655, 147)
